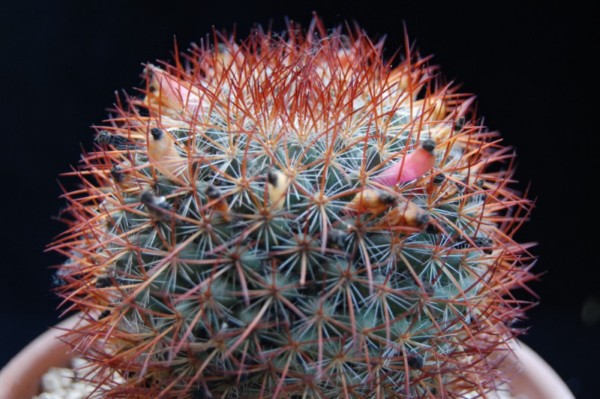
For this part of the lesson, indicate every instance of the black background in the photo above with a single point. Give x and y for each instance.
(532, 67)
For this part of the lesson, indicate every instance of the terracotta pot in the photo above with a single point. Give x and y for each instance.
(531, 377)
(20, 378)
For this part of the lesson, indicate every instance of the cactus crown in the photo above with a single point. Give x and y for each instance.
(291, 216)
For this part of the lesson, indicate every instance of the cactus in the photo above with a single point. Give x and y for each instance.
(293, 216)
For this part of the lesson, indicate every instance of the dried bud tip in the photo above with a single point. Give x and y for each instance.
(212, 192)
(147, 198)
(423, 219)
(415, 361)
(103, 137)
(459, 124)
(103, 282)
(117, 174)
(105, 313)
(387, 198)
(272, 177)
(336, 238)
(157, 206)
(439, 179)
(431, 228)
(428, 145)
(157, 133)
(119, 142)
(485, 244)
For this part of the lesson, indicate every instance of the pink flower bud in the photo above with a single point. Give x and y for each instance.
(413, 166)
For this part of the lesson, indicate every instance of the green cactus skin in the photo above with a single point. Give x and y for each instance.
(293, 217)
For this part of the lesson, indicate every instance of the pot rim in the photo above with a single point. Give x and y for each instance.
(20, 377)
(531, 377)
(528, 374)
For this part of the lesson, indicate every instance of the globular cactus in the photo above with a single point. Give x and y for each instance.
(293, 216)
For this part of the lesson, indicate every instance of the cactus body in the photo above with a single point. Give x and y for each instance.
(290, 216)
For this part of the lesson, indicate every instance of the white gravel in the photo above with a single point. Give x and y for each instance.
(68, 383)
